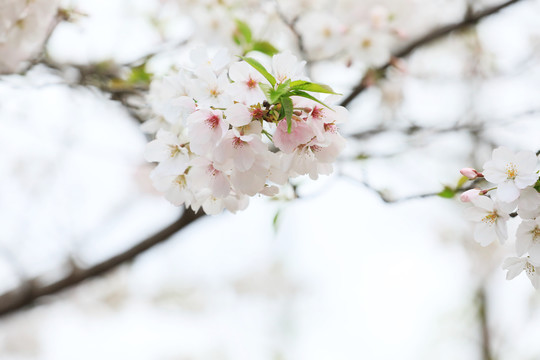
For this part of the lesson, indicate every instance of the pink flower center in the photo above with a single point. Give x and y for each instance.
(251, 84)
(317, 112)
(212, 121)
(237, 142)
(257, 113)
(212, 171)
(331, 128)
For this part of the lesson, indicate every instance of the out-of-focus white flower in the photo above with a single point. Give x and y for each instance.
(24, 26)
(511, 172)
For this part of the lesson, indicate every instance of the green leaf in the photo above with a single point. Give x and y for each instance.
(276, 220)
(265, 47)
(308, 96)
(139, 75)
(281, 90)
(447, 193)
(267, 90)
(242, 33)
(258, 66)
(287, 105)
(313, 87)
(537, 185)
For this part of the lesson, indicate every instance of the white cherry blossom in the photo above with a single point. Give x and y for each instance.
(511, 172)
(528, 239)
(490, 218)
(515, 266)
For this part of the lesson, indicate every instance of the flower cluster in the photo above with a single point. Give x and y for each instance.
(516, 194)
(227, 131)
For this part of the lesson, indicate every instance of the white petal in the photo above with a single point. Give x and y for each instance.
(484, 234)
(238, 115)
(514, 265)
(534, 253)
(507, 191)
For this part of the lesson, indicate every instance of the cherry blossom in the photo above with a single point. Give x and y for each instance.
(225, 132)
(491, 219)
(511, 172)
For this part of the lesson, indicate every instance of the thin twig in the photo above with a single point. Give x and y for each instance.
(436, 34)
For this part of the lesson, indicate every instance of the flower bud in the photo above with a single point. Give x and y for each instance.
(469, 195)
(469, 173)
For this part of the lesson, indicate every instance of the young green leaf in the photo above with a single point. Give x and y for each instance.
(267, 90)
(242, 33)
(308, 96)
(287, 105)
(447, 193)
(282, 89)
(265, 47)
(313, 87)
(260, 68)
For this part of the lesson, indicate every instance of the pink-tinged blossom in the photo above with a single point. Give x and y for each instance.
(469, 173)
(238, 115)
(206, 128)
(511, 172)
(245, 87)
(301, 133)
(515, 266)
(490, 218)
(469, 195)
(203, 176)
(241, 150)
(215, 140)
(252, 181)
(314, 159)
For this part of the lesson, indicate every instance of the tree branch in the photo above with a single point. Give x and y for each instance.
(436, 34)
(31, 290)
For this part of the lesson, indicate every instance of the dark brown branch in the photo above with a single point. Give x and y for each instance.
(436, 34)
(32, 290)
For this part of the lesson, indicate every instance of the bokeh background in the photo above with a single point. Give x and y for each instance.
(368, 263)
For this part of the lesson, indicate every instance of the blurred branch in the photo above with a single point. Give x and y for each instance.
(436, 34)
(481, 300)
(32, 290)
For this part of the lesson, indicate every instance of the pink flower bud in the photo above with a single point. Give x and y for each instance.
(469, 195)
(469, 173)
